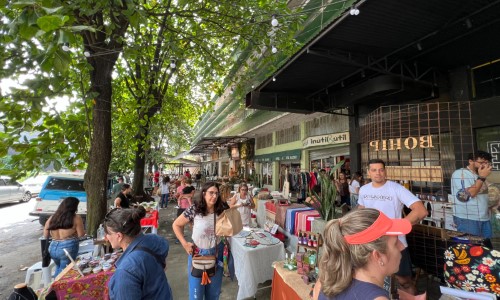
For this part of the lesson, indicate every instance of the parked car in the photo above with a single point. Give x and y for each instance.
(56, 188)
(10, 190)
(34, 184)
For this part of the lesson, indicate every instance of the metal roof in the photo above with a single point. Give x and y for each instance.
(394, 49)
(209, 144)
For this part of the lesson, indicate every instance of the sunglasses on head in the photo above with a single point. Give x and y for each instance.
(107, 217)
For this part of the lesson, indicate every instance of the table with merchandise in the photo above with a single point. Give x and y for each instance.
(254, 252)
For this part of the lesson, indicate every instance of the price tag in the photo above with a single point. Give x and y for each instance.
(274, 229)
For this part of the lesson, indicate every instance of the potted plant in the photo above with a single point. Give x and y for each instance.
(325, 201)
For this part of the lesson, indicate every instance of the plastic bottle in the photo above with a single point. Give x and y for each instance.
(100, 232)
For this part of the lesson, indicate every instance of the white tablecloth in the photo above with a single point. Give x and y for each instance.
(254, 265)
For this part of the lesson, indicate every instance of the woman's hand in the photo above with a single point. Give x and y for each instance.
(188, 246)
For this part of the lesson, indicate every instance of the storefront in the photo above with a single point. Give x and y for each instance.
(286, 162)
(325, 151)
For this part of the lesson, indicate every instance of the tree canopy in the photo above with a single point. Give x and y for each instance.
(138, 75)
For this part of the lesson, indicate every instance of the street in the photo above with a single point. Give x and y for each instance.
(19, 245)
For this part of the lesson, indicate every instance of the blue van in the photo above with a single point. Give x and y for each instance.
(54, 190)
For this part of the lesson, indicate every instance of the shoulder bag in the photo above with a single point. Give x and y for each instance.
(229, 223)
(205, 267)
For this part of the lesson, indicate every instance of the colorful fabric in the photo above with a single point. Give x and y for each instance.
(290, 218)
(303, 220)
(90, 287)
(281, 213)
(472, 268)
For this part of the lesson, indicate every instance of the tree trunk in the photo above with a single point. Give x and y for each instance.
(140, 163)
(100, 145)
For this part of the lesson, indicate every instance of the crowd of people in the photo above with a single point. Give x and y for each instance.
(360, 249)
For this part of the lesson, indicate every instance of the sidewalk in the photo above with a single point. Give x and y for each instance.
(177, 264)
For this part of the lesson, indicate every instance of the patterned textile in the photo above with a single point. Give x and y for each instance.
(472, 268)
(303, 220)
(93, 286)
(290, 218)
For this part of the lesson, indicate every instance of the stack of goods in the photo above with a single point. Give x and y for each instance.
(97, 264)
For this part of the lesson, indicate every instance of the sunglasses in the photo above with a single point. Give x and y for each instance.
(108, 218)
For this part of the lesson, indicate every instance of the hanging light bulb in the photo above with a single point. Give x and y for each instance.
(274, 78)
(274, 49)
(86, 54)
(354, 11)
(253, 86)
(172, 63)
(274, 21)
(65, 47)
(175, 93)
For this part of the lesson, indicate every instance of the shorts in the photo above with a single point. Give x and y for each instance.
(405, 267)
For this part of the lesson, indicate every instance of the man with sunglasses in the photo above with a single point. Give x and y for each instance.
(470, 195)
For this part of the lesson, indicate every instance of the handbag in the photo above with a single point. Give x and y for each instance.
(229, 223)
(204, 267)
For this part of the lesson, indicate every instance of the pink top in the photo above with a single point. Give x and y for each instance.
(184, 201)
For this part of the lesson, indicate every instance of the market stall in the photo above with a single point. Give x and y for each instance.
(254, 252)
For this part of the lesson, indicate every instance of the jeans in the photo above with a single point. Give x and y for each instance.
(59, 257)
(164, 199)
(212, 290)
(478, 228)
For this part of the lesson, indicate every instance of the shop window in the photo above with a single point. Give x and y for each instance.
(267, 173)
(264, 141)
(288, 135)
(486, 80)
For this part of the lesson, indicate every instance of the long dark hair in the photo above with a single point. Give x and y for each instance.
(200, 204)
(166, 179)
(125, 220)
(65, 214)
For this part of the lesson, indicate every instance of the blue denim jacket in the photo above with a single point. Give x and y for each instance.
(138, 274)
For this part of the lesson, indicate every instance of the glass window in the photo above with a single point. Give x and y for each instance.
(267, 173)
(488, 139)
(65, 184)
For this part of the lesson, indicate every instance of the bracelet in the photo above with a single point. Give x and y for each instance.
(481, 178)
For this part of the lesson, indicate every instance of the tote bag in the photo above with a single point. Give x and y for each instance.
(229, 223)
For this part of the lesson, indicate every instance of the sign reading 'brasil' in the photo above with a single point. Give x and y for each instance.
(327, 139)
(409, 143)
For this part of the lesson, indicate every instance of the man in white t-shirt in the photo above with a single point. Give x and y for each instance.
(390, 197)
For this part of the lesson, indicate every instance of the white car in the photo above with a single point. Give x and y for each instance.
(34, 184)
(10, 191)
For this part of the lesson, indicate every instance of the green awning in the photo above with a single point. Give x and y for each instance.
(279, 156)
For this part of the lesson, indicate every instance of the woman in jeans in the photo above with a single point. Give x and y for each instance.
(65, 227)
(201, 215)
(165, 191)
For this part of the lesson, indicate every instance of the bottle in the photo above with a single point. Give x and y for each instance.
(304, 239)
(300, 238)
(100, 232)
(315, 242)
(310, 241)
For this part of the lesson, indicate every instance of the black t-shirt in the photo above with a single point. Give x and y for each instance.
(125, 201)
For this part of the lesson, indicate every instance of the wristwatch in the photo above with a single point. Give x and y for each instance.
(481, 178)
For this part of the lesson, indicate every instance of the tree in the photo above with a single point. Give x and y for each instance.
(202, 37)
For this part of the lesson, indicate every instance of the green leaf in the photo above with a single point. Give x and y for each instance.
(27, 31)
(51, 10)
(80, 28)
(62, 61)
(49, 23)
(22, 4)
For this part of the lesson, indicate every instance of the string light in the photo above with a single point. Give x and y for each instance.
(274, 21)
(354, 11)
(65, 47)
(172, 63)
(86, 54)
(253, 86)
(274, 78)
(274, 49)
(175, 93)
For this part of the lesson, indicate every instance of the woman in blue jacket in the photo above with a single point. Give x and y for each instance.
(140, 271)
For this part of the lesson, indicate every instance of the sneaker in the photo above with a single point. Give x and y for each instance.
(177, 242)
(177, 207)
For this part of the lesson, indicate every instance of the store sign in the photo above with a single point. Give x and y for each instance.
(494, 150)
(327, 139)
(279, 156)
(409, 143)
